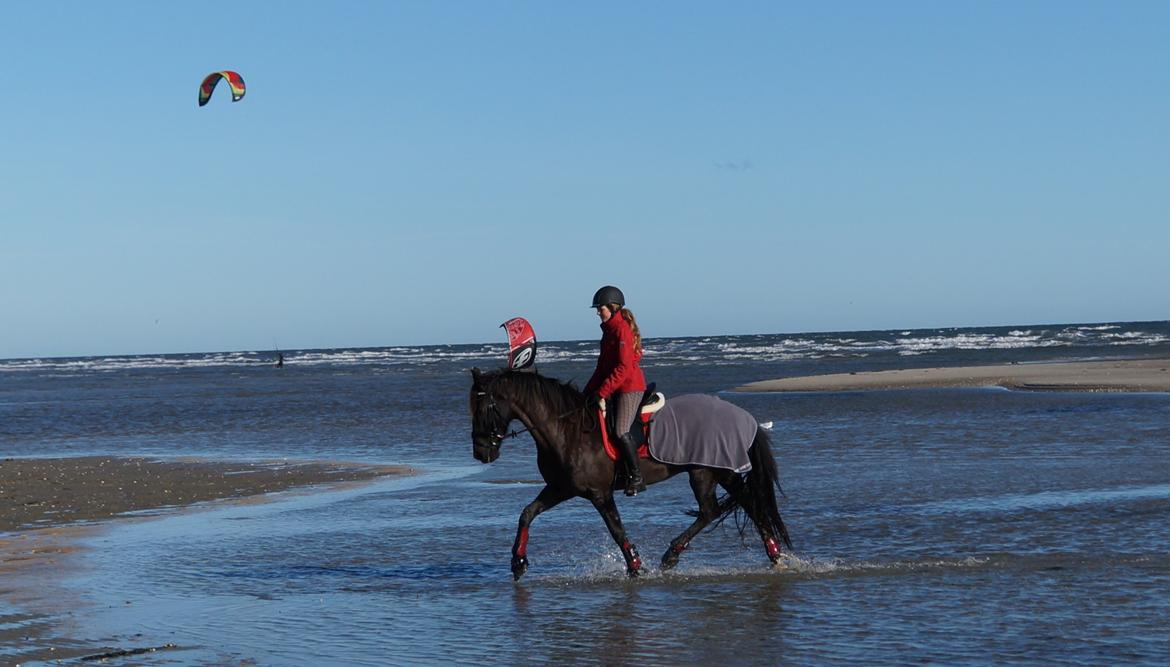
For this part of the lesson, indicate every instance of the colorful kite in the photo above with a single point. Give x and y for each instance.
(521, 344)
(234, 80)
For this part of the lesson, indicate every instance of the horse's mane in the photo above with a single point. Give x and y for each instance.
(530, 386)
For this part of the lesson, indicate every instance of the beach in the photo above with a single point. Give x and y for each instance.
(45, 504)
(1130, 375)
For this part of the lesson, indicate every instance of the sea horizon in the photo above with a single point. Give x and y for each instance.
(501, 343)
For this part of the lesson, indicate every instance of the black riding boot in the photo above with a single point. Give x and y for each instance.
(629, 451)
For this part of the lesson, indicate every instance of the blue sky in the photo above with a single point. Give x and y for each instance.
(416, 173)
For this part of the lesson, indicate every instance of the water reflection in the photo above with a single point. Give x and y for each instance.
(711, 619)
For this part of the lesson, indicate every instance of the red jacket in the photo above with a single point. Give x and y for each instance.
(617, 365)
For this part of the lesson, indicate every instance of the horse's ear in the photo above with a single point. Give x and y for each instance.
(475, 373)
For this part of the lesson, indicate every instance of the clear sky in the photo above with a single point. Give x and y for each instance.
(418, 172)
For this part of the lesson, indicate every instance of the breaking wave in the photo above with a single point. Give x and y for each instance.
(660, 351)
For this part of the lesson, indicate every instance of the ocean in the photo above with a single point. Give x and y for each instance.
(964, 526)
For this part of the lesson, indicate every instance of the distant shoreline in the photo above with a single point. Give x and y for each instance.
(1130, 375)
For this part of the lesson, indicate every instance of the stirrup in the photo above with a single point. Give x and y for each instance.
(635, 484)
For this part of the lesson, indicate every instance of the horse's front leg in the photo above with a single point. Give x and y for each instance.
(546, 499)
(603, 501)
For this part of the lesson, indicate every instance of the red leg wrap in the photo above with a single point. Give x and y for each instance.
(773, 548)
(632, 556)
(522, 543)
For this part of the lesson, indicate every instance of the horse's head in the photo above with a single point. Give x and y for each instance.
(490, 416)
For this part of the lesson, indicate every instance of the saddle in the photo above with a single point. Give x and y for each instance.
(652, 401)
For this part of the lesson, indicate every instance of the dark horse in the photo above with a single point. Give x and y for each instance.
(573, 463)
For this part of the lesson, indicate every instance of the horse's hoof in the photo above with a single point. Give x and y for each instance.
(519, 567)
(669, 560)
(781, 562)
(634, 566)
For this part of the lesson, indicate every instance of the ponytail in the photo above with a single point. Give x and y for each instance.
(628, 316)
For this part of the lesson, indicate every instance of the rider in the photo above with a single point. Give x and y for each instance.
(618, 377)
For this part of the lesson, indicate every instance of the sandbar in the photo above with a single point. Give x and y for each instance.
(52, 492)
(46, 504)
(1126, 375)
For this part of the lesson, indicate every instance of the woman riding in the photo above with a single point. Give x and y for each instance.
(618, 378)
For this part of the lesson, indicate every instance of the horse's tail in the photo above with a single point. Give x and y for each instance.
(763, 481)
(755, 491)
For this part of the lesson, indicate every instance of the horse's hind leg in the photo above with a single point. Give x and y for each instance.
(703, 484)
(603, 501)
(739, 491)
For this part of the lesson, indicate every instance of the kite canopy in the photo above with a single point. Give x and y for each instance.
(521, 344)
(234, 80)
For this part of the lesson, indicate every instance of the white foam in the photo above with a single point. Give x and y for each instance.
(975, 341)
(659, 351)
(1044, 500)
(795, 564)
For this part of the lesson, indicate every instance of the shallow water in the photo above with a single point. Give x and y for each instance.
(945, 526)
(408, 571)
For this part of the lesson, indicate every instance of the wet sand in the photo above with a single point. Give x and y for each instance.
(45, 504)
(1130, 375)
(51, 492)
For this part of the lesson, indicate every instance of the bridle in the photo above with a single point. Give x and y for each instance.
(496, 435)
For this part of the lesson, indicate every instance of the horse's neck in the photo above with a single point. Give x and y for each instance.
(538, 417)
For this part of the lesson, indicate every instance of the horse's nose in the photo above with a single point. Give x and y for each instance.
(483, 451)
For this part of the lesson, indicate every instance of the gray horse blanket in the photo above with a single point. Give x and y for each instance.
(704, 430)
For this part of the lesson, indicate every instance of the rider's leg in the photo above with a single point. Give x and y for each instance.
(626, 409)
(629, 449)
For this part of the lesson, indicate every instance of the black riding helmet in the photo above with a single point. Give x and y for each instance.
(607, 295)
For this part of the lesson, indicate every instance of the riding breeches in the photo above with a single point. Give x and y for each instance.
(625, 407)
